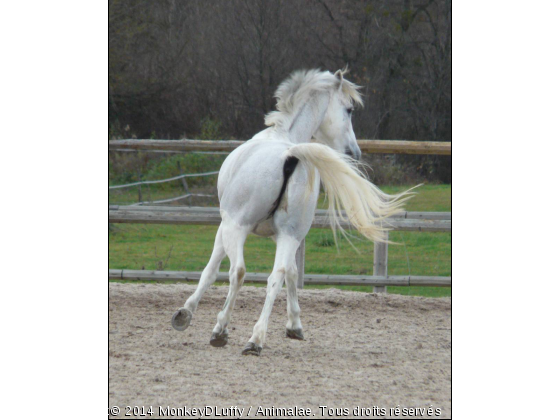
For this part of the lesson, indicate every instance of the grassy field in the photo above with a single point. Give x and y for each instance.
(187, 248)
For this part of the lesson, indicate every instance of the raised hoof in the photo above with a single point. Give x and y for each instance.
(251, 349)
(181, 319)
(295, 334)
(219, 340)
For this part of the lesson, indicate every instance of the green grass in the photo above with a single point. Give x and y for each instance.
(188, 248)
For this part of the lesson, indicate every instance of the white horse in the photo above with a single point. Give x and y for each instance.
(269, 186)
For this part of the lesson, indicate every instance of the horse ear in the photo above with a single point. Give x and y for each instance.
(340, 76)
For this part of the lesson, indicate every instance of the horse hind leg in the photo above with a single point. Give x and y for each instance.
(294, 328)
(182, 318)
(285, 255)
(234, 237)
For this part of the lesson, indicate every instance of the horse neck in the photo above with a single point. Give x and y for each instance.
(309, 118)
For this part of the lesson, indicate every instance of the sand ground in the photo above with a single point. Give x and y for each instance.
(361, 350)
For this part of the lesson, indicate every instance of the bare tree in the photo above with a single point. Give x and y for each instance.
(174, 64)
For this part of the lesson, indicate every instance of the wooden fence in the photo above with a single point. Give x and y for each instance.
(367, 146)
(406, 221)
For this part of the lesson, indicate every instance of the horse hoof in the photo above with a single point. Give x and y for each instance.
(251, 349)
(219, 340)
(295, 334)
(181, 319)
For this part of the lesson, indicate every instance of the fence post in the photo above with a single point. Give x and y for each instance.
(184, 182)
(380, 263)
(300, 263)
(140, 200)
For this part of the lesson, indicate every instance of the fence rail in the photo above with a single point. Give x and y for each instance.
(405, 221)
(367, 146)
(160, 181)
(430, 222)
(338, 280)
(424, 215)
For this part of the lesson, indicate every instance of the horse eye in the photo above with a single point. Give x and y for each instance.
(349, 110)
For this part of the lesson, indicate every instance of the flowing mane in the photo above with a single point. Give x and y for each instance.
(296, 90)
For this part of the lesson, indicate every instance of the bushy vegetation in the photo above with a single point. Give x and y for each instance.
(127, 167)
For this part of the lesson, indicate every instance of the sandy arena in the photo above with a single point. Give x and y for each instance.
(360, 350)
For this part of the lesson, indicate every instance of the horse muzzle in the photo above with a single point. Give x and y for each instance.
(354, 152)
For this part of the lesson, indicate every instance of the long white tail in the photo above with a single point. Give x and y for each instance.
(347, 189)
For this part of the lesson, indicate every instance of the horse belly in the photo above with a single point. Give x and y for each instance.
(264, 228)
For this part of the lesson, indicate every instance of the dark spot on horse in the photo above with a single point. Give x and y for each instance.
(289, 168)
